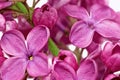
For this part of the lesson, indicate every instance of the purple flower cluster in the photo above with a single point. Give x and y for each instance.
(35, 41)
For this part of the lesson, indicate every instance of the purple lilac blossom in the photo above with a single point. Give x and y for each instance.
(111, 55)
(46, 15)
(25, 57)
(99, 19)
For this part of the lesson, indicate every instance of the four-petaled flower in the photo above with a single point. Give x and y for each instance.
(25, 56)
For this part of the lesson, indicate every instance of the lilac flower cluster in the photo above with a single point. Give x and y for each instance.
(36, 40)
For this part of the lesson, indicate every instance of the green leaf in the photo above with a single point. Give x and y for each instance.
(52, 47)
(19, 6)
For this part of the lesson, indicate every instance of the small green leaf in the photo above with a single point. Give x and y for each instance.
(52, 47)
(19, 6)
(22, 7)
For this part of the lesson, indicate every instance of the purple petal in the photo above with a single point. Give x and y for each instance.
(5, 4)
(46, 15)
(2, 59)
(11, 25)
(76, 12)
(12, 42)
(68, 57)
(110, 77)
(113, 62)
(87, 70)
(101, 12)
(64, 71)
(13, 69)
(107, 51)
(38, 66)
(2, 22)
(37, 38)
(81, 35)
(108, 29)
(58, 3)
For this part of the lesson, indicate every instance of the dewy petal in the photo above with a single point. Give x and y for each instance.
(12, 42)
(5, 4)
(37, 38)
(13, 69)
(101, 12)
(64, 71)
(108, 29)
(87, 70)
(81, 35)
(38, 66)
(76, 12)
(2, 22)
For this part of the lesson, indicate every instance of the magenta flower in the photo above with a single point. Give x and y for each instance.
(46, 15)
(24, 56)
(63, 67)
(87, 70)
(69, 58)
(100, 19)
(111, 56)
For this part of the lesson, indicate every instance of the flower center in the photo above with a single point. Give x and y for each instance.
(31, 58)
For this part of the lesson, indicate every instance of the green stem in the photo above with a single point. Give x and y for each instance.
(34, 3)
(78, 52)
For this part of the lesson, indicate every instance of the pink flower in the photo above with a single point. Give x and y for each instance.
(111, 56)
(99, 19)
(64, 67)
(24, 56)
(88, 70)
(46, 15)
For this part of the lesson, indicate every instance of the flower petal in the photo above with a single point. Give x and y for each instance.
(107, 51)
(87, 70)
(37, 38)
(68, 57)
(113, 62)
(108, 29)
(2, 22)
(101, 12)
(38, 66)
(76, 12)
(5, 4)
(81, 35)
(13, 69)
(58, 3)
(12, 42)
(64, 71)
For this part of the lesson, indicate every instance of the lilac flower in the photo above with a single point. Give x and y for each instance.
(63, 67)
(99, 19)
(87, 70)
(24, 57)
(111, 56)
(46, 15)
(68, 57)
